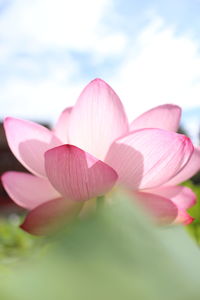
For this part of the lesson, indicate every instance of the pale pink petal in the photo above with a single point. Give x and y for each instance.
(50, 216)
(182, 197)
(28, 190)
(164, 116)
(161, 208)
(97, 119)
(191, 168)
(28, 142)
(61, 127)
(77, 175)
(149, 157)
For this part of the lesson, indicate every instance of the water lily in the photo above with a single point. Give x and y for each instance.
(92, 149)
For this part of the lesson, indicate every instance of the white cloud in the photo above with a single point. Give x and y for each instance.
(161, 67)
(41, 99)
(158, 66)
(42, 24)
(36, 27)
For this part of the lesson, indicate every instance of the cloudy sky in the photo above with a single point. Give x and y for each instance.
(148, 51)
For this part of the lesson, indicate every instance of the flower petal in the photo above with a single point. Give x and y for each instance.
(97, 119)
(77, 175)
(28, 190)
(182, 197)
(28, 142)
(191, 168)
(149, 157)
(50, 216)
(163, 209)
(61, 127)
(164, 116)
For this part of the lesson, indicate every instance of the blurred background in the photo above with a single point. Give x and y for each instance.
(148, 51)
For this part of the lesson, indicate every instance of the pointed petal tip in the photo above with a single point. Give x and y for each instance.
(188, 143)
(20, 186)
(2, 178)
(183, 197)
(190, 169)
(10, 119)
(189, 220)
(98, 80)
(28, 141)
(184, 218)
(157, 154)
(66, 110)
(165, 116)
(170, 106)
(62, 125)
(7, 120)
(100, 112)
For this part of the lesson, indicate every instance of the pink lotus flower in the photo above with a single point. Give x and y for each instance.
(93, 148)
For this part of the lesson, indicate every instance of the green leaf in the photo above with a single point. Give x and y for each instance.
(115, 253)
(15, 244)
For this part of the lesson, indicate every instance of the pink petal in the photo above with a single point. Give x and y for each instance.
(182, 197)
(50, 215)
(149, 157)
(77, 175)
(61, 128)
(164, 116)
(28, 142)
(28, 190)
(163, 209)
(191, 168)
(97, 119)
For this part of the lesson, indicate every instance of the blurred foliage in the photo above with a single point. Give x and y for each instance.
(15, 244)
(115, 253)
(194, 211)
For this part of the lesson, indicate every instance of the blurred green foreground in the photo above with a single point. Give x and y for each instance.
(116, 253)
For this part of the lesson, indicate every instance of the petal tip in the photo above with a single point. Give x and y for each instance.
(99, 83)
(187, 141)
(188, 220)
(98, 80)
(4, 177)
(10, 122)
(171, 106)
(6, 121)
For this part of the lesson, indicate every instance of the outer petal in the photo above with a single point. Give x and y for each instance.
(97, 119)
(164, 116)
(61, 128)
(163, 209)
(28, 190)
(77, 175)
(149, 157)
(182, 197)
(191, 168)
(49, 216)
(28, 142)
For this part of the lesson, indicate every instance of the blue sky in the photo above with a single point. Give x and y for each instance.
(148, 51)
